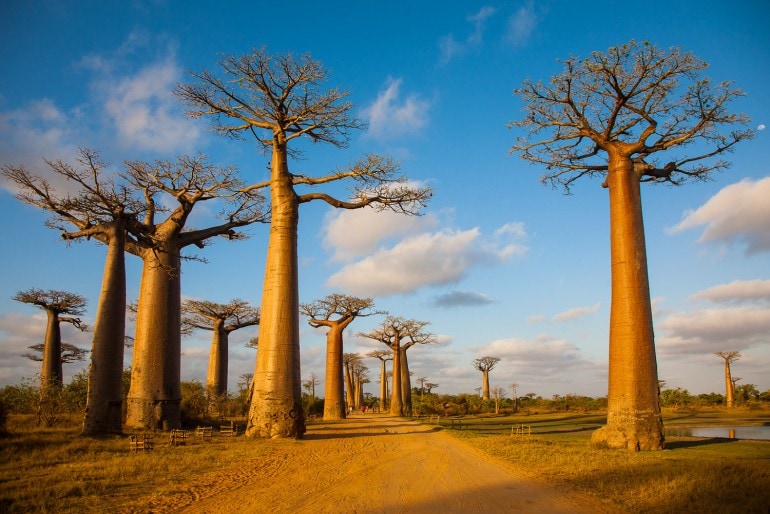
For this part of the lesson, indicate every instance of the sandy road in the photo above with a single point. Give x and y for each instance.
(375, 464)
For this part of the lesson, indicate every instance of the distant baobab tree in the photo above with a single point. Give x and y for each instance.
(485, 365)
(59, 306)
(383, 356)
(400, 334)
(69, 353)
(729, 358)
(611, 115)
(430, 386)
(350, 361)
(277, 100)
(336, 312)
(222, 320)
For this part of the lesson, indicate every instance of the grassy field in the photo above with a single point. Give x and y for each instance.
(691, 475)
(55, 470)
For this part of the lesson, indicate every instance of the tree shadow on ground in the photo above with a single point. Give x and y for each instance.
(701, 441)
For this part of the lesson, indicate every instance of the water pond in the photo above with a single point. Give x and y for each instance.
(751, 432)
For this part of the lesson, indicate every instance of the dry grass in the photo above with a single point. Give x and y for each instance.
(55, 470)
(691, 475)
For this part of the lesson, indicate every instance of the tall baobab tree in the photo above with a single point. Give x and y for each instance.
(360, 377)
(351, 361)
(383, 356)
(336, 312)
(99, 208)
(222, 320)
(59, 306)
(620, 115)
(155, 393)
(69, 353)
(485, 365)
(399, 334)
(278, 100)
(729, 358)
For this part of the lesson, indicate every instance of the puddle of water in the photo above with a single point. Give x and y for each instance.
(761, 432)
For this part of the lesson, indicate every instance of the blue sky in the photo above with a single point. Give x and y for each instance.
(499, 264)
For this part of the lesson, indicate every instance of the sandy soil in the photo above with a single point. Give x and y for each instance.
(371, 464)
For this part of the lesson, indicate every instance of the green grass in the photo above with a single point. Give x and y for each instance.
(691, 475)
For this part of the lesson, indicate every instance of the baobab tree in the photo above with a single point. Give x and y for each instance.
(187, 182)
(621, 115)
(69, 353)
(383, 356)
(59, 306)
(729, 358)
(399, 334)
(349, 362)
(336, 312)
(278, 100)
(99, 208)
(222, 320)
(430, 386)
(485, 365)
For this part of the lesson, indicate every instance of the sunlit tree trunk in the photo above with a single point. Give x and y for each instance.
(633, 419)
(406, 384)
(51, 374)
(485, 385)
(216, 377)
(349, 392)
(105, 376)
(383, 387)
(276, 408)
(396, 400)
(334, 394)
(729, 385)
(155, 394)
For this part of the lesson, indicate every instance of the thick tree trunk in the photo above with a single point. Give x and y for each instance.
(633, 419)
(51, 374)
(216, 377)
(350, 398)
(276, 409)
(396, 401)
(485, 384)
(383, 387)
(729, 386)
(155, 394)
(406, 384)
(105, 377)
(334, 394)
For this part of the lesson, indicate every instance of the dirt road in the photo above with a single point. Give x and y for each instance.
(374, 464)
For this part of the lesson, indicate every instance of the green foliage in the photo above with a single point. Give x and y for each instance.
(193, 400)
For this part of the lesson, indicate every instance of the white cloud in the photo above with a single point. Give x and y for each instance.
(521, 24)
(717, 329)
(576, 313)
(736, 291)
(737, 214)
(352, 233)
(450, 47)
(391, 116)
(418, 261)
(462, 299)
(144, 110)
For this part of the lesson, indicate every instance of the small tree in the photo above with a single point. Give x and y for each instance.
(729, 358)
(611, 115)
(485, 365)
(55, 304)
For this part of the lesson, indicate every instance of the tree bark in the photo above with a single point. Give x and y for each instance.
(396, 401)
(729, 386)
(216, 377)
(334, 394)
(155, 395)
(383, 387)
(633, 419)
(406, 384)
(104, 412)
(276, 408)
(51, 374)
(485, 384)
